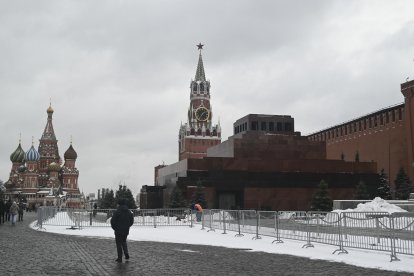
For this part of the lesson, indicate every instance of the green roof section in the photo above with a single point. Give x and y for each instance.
(200, 74)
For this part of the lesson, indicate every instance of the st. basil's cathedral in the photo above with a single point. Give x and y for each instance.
(37, 175)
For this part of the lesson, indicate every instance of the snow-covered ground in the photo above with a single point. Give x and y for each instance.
(187, 235)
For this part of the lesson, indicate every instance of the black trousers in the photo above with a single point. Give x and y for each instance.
(121, 245)
(20, 216)
(2, 215)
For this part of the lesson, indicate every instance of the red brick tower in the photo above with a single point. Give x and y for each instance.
(198, 133)
(70, 173)
(407, 89)
(48, 149)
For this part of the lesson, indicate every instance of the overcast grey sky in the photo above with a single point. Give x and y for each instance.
(118, 72)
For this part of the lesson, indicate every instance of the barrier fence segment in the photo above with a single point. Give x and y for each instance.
(78, 218)
(324, 227)
(379, 231)
(293, 225)
(277, 227)
(367, 230)
(239, 234)
(402, 238)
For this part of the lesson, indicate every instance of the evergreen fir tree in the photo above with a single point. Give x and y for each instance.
(361, 191)
(108, 201)
(125, 193)
(357, 157)
(199, 196)
(402, 185)
(177, 199)
(384, 189)
(321, 200)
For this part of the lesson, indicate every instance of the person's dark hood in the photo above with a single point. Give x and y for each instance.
(123, 208)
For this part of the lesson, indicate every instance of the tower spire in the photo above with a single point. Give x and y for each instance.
(49, 133)
(200, 74)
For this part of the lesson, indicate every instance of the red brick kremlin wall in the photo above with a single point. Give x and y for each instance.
(385, 137)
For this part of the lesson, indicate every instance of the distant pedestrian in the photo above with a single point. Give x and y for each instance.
(21, 209)
(7, 209)
(2, 210)
(95, 207)
(14, 209)
(121, 221)
(199, 210)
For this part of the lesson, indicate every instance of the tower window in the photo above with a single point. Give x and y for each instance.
(195, 87)
(263, 126)
(201, 87)
(399, 114)
(288, 126)
(279, 126)
(271, 126)
(254, 125)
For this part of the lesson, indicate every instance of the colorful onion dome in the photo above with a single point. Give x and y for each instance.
(54, 167)
(32, 154)
(70, 153)
(18, 155)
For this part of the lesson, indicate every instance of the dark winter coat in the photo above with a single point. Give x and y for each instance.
(2, 207)
(21, 208)
(122, 220)
(7, 206)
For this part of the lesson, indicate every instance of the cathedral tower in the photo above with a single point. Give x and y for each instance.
(48, 148)
(31, 176)
(70, 173)
(198, 133)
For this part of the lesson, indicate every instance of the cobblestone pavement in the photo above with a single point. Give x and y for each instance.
(24, 251)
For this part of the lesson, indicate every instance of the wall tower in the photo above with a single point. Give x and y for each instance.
(198, 133)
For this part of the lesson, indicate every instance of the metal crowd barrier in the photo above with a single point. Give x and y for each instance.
(79, 218)
(378, 231)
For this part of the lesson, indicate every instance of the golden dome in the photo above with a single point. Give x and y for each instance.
(54, 167)
(50, 109)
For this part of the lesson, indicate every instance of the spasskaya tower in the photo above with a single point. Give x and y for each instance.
(198, 133)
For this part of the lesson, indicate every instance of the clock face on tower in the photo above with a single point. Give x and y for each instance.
(202, 114)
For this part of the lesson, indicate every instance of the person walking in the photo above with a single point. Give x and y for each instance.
(2, 211)
(121, 221)
(14, 209)
(21, 209)
(7, 209)
(199, 210)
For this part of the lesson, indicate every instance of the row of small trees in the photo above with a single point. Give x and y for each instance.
(177, 200)
(110, 199)
(322, 202)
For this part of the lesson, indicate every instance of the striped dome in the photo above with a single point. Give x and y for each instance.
(32, 154)
(54, 167)
(18, 155)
